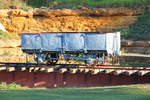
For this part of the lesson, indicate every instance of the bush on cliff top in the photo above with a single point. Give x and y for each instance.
(5, 4)
(11, 4)
(88, 3)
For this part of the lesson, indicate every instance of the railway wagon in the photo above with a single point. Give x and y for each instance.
(88, 47)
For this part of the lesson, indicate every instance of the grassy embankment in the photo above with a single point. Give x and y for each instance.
(138, 31)
(88, 3)
(131, 92)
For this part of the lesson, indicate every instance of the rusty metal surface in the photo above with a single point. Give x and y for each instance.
(58, 80)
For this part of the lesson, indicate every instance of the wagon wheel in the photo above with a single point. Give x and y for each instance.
(95, 63)
(51, 61)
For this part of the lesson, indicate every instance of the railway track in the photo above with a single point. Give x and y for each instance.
(75, 68)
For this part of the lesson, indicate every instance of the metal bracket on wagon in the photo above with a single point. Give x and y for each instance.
(40, 58)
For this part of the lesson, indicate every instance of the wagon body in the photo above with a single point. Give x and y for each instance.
(69, 43)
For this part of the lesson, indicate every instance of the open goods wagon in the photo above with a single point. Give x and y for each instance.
(88, 47)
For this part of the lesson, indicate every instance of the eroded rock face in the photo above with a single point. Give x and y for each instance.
(21, 13)
(88, 12)
(39, 11)
(83, 11)
(67, 24)
(15, 13)
(10, 43)
(139, 50)
(141, 47)
(68, 20)
(119, 11)
(5, 13)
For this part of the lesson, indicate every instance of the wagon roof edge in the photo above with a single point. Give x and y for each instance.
(64, 32)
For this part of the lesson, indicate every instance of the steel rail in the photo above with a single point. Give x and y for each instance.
(118, 67)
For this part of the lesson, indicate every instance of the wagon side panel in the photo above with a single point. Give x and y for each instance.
(95, 41)
(31, 42)
(73, 42)
(51, 42)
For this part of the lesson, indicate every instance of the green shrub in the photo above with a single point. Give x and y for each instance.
(4, 85)
(4, 4)
(24, 6)
(39, 3)
(7, 4)
(88, 3)
(124, 32)
(14, 86)
(71, 3)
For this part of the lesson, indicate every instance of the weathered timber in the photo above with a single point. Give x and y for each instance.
(130, 72)
(36, 69)
(95, 71)
(146, 67)
(31, 69)
(107, 71)
(118, 72)
(101, 70)
(73, 70)
(23, 68)
(10, 69)
(62, 70)
(86, 70)
(2, 68)
(42, 69)
(48, 70)
(143, 72)
(81, 70)
(139, 67)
